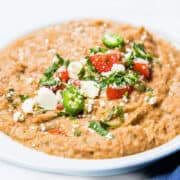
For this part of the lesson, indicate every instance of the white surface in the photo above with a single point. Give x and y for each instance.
(162, 14)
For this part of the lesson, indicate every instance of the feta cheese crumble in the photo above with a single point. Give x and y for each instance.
(140, 60)
(90, 105)
(75, 67)
(89, 89)
(102, 103)
(27, 105)
(46, 99)
(18, 116)
(115, 68)
(152, 100)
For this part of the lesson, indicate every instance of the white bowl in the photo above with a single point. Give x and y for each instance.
(15, 153)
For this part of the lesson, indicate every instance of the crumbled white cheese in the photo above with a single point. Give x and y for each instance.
(126, 115)
(127, 55)
(18, 116)
(89, 89)
(90, 105)
(146, 98)
(29, 80)
(140, 60)
(109, 136)
(118, 68)
(75, 125)
(152, 100)
(115, 68)
(103, 94)
(143, 37)
(62, 68)
(102, 103)
(33, 127)
(75, 67)
(27, 105)
(125, 99)
(93, 117)
(46, 99)
(55, 59)
(121, 104)
(42, 127)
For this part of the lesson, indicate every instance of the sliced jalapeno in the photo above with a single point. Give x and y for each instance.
(73, 101)
(113, 40)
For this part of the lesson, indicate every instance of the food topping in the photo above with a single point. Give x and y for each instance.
(104, 62)
(71, 88)
(73, 101)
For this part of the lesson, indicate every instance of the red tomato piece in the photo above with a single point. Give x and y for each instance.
(142, 68)
(104, 62)
(60, 106)
(64, 75)
(76, 83)
(57, 132)
(116, 93)
(58, 87)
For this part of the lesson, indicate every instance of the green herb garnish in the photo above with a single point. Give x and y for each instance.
(14, 104)
(140, 52)
(48, 81)
(88, 72)
(120, 79)
(111, 114)
(140, 87)
(106, 124)
(120, 113)
(99, 129)
(116, 112)
(77, 132)
(98, 49)
(58, 60)
(23, 97)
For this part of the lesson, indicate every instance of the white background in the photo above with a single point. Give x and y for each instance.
(16, 19)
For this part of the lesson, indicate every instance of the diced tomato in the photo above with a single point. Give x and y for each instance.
(58, 87)
(64, 75)
(60, 106)
(76, 82)
(104, 62)
(57, 132)
(142, 68)
(116, 93)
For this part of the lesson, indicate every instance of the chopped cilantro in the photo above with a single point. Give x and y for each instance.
(23, 97)
(105, 124)
(116, 112)
(111, 114)
(14, 104)
(120, 113)
(140, 52)
(120, 79)
(98, 49)
(140, 87)
(149, 89)
(99, 129)
(48, 81)
(52, 69)
(77, 132)
(88, 72)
